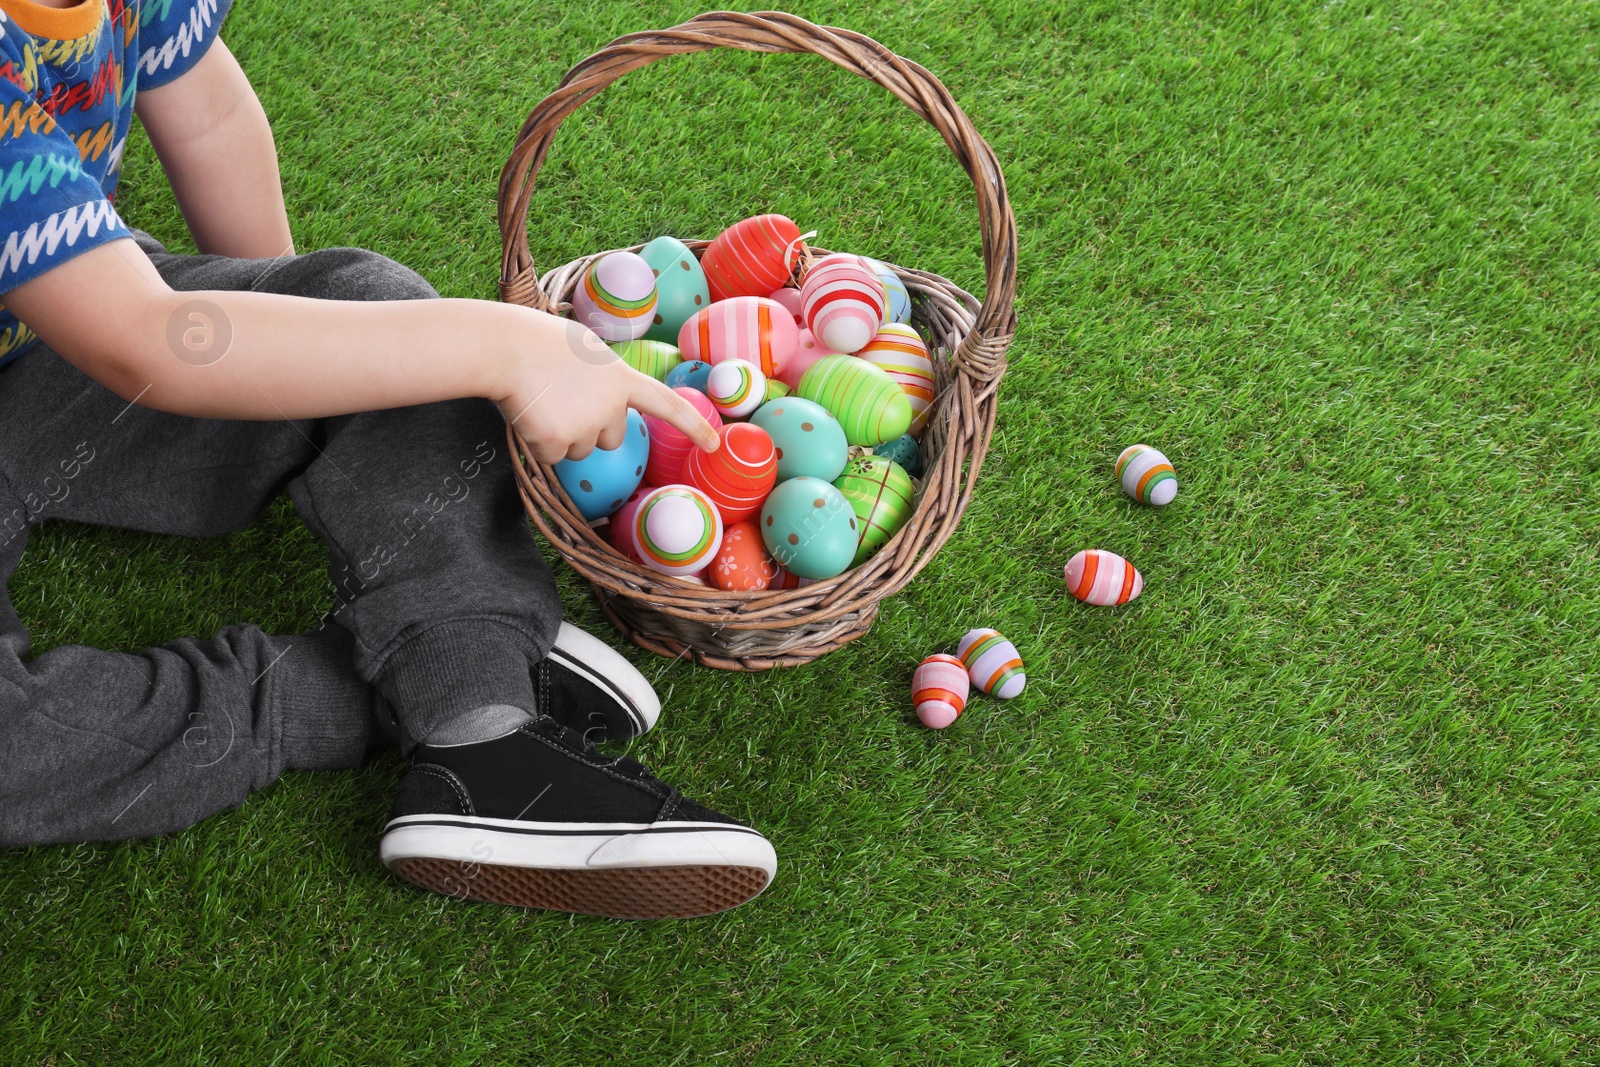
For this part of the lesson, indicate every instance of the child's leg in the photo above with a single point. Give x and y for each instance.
(434, 565)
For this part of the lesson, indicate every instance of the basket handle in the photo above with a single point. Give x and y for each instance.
(981, 353)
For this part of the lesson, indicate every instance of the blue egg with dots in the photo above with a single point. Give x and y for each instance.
(692, 373)
(602, 481)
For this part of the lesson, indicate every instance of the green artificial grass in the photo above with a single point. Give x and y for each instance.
(1324, 795)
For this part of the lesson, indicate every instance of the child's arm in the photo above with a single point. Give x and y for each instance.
(109, 313)
(212, 137)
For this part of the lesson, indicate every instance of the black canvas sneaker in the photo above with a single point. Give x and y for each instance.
(539, 819)
(589, 686)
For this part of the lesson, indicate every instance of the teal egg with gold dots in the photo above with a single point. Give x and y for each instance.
(808, 438)
(809, 528)
(681, 288)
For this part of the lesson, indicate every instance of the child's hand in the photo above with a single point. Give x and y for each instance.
(571, 395)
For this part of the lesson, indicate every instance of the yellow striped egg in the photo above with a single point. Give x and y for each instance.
(899, 352)
(1146, 475)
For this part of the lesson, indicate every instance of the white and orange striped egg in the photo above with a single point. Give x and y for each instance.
(939, 690)
(1096, 576)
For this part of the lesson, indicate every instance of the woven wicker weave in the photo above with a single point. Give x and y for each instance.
(968, 340)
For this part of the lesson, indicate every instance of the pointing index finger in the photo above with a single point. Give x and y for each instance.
(651, 397)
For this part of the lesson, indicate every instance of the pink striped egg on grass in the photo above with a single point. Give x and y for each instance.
(616, 297)
(939, 690)
(843, 302)
(992, 663)
(1103, 578)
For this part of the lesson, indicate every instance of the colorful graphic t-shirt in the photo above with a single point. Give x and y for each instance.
(67, 81)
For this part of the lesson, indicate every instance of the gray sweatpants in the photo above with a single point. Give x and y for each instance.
(441, 598)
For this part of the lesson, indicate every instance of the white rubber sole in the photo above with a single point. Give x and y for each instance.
(591, 658)
(623, 870)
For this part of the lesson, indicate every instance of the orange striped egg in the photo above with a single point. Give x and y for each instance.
(843, 302)
(1096, 576)
(676, 530)
(939, 690)
(992, 663)
(1147, 476)
(899, 352)
(751, 258)
(616, 297)
(752, 328)
(739, 475)
(783, 579)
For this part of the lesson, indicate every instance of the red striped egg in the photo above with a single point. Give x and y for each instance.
(670, 446)
(1096, 576)
(755, 329)
(616, 298)
(843, 301)
(739, 475)
(939, 690)
(751, 258)
(898, 351)
(785, 579)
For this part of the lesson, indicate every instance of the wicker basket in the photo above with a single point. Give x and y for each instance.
(967, 340)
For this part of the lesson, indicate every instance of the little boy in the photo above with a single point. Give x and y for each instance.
(179, 394)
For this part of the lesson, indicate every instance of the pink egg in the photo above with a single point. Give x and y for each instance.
(939, 689)
(808, 352)
(790, 298)
(669, 446)
(756, 329)
(843, 302)
(1103, 578)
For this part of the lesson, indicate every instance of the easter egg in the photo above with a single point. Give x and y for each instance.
(670, 446)
(680, 287)
(751, 328)
(1096, 576)
(939, 688)
(809, 441)
(806, 353)
(868, 404)
(655, 358)
(690, 373)
(992, 663)
(1147, 476)
(783, 579)
(616, 297)
(676, 530)
(808, 528)
(789, 297)
(776, 389)
(903, 450)
(736, 388)
(843, 302)
(899, 352)
(697, 578)
(893, 288)
(742, 563)
(752, 257)
(621, 525)
(739, 475)
(881, 495)
(601, 482)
